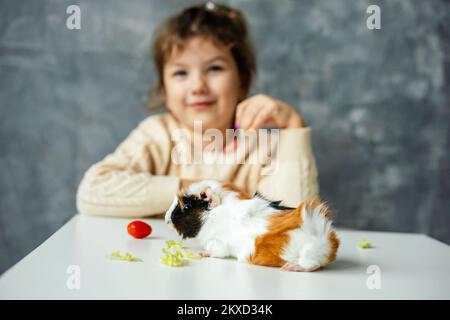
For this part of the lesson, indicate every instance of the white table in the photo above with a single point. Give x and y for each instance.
(413, 266)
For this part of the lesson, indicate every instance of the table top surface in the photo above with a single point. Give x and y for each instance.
(400, 266)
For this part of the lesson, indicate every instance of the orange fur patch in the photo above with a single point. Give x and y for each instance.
(241, 194)
(180, 198)
(333, 245)
(269, 246)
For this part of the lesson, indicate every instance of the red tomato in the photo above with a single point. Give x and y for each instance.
(139, 229)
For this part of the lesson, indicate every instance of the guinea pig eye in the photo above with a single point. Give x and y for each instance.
(187, 206)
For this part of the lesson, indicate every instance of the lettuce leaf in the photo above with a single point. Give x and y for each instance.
(116, 255)
(175, 255)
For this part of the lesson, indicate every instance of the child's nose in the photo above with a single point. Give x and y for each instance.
(199, 85)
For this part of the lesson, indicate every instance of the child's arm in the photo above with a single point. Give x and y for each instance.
(131, 182)
(293, 178)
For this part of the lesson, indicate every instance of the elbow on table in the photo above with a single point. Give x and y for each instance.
(86, 208)
(89, 207)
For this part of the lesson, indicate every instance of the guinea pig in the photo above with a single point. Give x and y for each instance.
(229, 223)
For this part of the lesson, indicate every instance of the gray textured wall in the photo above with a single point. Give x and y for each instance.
(377, 102)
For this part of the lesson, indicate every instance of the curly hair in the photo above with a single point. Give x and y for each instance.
(223, 25)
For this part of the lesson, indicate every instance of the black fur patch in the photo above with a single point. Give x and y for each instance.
(187, 220)
(273, 204)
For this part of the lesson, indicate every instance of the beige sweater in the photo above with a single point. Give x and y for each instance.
(141, 179)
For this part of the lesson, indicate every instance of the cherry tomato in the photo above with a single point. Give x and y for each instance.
(139, 229)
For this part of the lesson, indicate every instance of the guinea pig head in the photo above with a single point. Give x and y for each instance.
(188, 211)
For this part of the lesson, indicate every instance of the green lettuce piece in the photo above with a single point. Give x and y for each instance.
(175, 255)
(127, 257)
(364, 244)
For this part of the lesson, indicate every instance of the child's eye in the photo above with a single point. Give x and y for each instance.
(179, 73)
(215, 68)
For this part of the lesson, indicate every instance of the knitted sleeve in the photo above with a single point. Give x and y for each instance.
(131, 182)
(291, 176)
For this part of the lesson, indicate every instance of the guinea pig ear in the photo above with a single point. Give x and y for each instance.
(180, 196)
(212, 198)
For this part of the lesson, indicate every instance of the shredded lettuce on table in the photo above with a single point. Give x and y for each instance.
(127, 257)
(175, 255)
(364, 244)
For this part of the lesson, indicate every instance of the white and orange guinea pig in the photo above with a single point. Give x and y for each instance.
(229, 223)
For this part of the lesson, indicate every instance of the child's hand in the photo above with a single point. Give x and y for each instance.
(261, 110)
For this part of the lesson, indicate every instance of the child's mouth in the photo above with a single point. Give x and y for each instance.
(202, 105)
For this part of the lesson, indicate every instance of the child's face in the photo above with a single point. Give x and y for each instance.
(202, 72)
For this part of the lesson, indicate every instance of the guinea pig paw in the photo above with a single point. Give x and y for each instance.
(297, 268)
(204, 254)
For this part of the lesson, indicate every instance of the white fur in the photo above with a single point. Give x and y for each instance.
(215, 186)
(309, 245)
(231, 228)
(170, 210)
